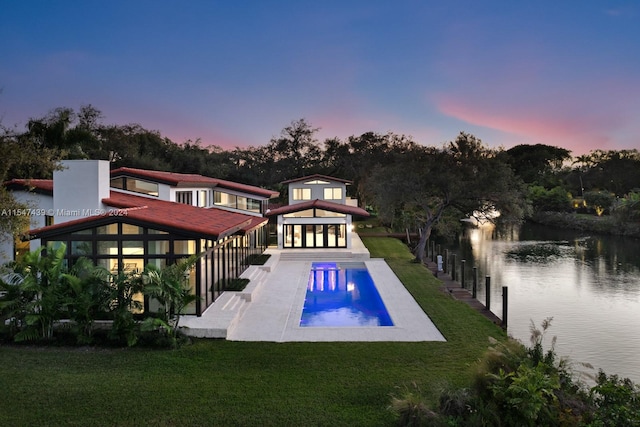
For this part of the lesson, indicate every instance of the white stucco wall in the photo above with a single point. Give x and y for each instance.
(79, 189)
(317, 191)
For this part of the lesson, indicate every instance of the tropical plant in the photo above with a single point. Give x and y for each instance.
(125, 287)
(33, 300)
(170, 287)
(87, 296)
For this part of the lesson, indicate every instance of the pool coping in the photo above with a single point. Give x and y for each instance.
(274, 315)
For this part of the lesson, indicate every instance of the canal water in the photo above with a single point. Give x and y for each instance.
(589, 284)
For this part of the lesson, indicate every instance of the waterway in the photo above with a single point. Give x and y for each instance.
(589, 284)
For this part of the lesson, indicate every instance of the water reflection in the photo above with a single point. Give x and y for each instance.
(589, 284)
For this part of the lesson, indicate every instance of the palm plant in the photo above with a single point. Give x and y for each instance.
(124, 288)
(87, 296)
(33, 299)
(170, 287)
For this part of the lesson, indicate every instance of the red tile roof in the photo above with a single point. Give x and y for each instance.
(43, 185)
(320, 204)
(187, 179)
(207, 223)
(317, 176)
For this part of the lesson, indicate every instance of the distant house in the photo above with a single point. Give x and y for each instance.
(319, 214)
(128, 218)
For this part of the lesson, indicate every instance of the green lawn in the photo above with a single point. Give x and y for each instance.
(215, 382)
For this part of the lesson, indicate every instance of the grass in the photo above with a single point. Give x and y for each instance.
(215, 382)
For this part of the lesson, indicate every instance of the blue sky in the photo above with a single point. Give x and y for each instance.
(234, 73)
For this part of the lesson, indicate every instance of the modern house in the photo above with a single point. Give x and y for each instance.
(127, 218)
(319, 214)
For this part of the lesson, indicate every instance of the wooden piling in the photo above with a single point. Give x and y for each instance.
(505, 306)
(487, 296)
(462, 267)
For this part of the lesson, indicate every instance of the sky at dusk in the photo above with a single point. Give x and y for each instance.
(235, 73)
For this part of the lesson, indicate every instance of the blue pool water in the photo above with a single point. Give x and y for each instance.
(340, 295)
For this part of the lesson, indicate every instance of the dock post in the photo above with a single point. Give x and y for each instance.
(487, 296)
(453, 267)
(446, 261)
(505, 306)
(474, 289)
(462, 266)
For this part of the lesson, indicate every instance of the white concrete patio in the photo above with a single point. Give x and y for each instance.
(271, 307)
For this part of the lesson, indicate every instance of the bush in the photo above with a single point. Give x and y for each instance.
(516, 385)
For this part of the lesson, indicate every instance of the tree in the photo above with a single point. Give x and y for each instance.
(600, 201)
(295, 152)
(537, 164)
(462, 179)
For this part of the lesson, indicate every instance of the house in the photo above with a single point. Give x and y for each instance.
(319, 214)
(127, 218)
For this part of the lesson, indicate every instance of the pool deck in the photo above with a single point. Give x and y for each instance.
(273, 308)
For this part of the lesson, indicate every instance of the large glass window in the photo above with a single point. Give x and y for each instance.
(106, 247)
(184, 247)
(158, 247)
(225, 199)
(184, 197)
(202, 198)
(325, 213)
(81, 248)
(254, 205)
(307, 213)
(315, 236)
(135, 185)
(132, 229)
(333, 193)
(301, 194)
(132, 247)
(108, 229)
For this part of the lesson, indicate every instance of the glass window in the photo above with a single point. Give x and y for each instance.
(184, 197)
(320, 243)
(333, 193)
(323, 213)
(132, 247)
(132, 229)
(254, 205)
(83, 232)
(317, 181)
(117, 183)
(307, 213)
(202, 198)
(184, 247)
(140, 186)
(81, 248)
(152, 231)
(225, 199)
(54, 244)
(108, 229)
(110, 264)
(301, 194)
(107, 247)
(158, 247)
(241, 203)
(48, 220)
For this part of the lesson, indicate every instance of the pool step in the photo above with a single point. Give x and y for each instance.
(306, 255)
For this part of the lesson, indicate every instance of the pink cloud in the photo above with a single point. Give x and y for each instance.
(549, 125)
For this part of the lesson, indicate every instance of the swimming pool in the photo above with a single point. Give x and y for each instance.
(342, 294)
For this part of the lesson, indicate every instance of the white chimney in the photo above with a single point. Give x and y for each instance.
(78, 189)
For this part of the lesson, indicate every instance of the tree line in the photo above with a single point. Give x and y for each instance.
(409, 184)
